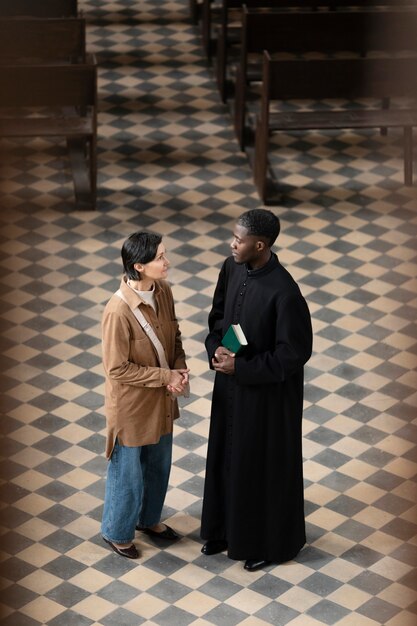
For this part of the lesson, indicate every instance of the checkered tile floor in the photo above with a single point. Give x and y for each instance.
(168, 161)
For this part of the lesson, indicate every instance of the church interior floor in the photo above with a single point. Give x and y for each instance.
(169, 162)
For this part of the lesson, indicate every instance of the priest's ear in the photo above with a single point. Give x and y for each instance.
(261, 245)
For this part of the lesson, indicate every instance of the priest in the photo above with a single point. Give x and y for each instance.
(253, 504)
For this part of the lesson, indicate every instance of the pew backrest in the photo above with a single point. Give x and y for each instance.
(317, 79)
(38, 8)
(45, 40)
(48, 85)
(331, 31)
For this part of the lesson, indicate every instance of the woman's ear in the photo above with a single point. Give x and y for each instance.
(138, 267)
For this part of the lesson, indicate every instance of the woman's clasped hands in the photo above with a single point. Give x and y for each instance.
(178, 382)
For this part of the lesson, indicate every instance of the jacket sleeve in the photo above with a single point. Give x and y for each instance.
(293, 346)
(216, 315)
(116, 349)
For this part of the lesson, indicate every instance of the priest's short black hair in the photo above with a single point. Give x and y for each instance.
(261, 223)
(140, 247)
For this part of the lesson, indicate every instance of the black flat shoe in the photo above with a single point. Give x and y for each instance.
(168, 533)
(214, 547)
(252, 565)
(130, 552)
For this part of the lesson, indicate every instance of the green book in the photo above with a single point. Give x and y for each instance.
(234, 339)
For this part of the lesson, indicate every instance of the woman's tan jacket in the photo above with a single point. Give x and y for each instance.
(139, 409)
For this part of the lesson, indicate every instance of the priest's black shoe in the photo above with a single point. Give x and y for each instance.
(252, 565)
(214, 547)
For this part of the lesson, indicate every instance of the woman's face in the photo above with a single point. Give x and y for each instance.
(157, 268)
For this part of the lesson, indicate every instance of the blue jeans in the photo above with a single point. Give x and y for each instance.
(136, 486)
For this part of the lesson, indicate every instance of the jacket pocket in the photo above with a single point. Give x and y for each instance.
(142, 353)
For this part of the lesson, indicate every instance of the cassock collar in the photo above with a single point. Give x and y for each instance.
(265, 269)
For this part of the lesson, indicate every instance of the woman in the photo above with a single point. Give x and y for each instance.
(141, 385)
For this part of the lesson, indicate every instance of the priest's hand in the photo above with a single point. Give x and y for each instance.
(221, 353)
(224, 362)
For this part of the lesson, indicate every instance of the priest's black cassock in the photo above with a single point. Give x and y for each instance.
(253, 493)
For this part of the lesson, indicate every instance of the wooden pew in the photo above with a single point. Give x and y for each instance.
(227, 37)
(66, 98)
(49, 40)
(217, 15)
(325, 32)
(38, 8)
(195, 10)
(334, 78)
(208, 11)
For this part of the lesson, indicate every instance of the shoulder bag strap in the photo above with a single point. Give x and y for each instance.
(149, 331)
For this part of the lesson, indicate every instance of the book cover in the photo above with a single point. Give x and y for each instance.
(234, 338)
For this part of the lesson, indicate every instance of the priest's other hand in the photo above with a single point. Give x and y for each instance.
(226, 364)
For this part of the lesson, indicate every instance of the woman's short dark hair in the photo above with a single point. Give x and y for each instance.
(140, 247)
(261, 223)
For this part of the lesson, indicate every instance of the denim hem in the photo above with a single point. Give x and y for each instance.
(116, 540)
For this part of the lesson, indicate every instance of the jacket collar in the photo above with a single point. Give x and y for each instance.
(133, 299)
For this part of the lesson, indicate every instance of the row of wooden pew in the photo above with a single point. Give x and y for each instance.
(270, 52)
(48, 83)
(39, 8)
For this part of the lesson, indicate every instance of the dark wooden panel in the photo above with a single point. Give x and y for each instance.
(38, 8)
(43, 39)
(44, 85)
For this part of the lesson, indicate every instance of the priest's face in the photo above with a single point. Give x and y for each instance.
(244, 247)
